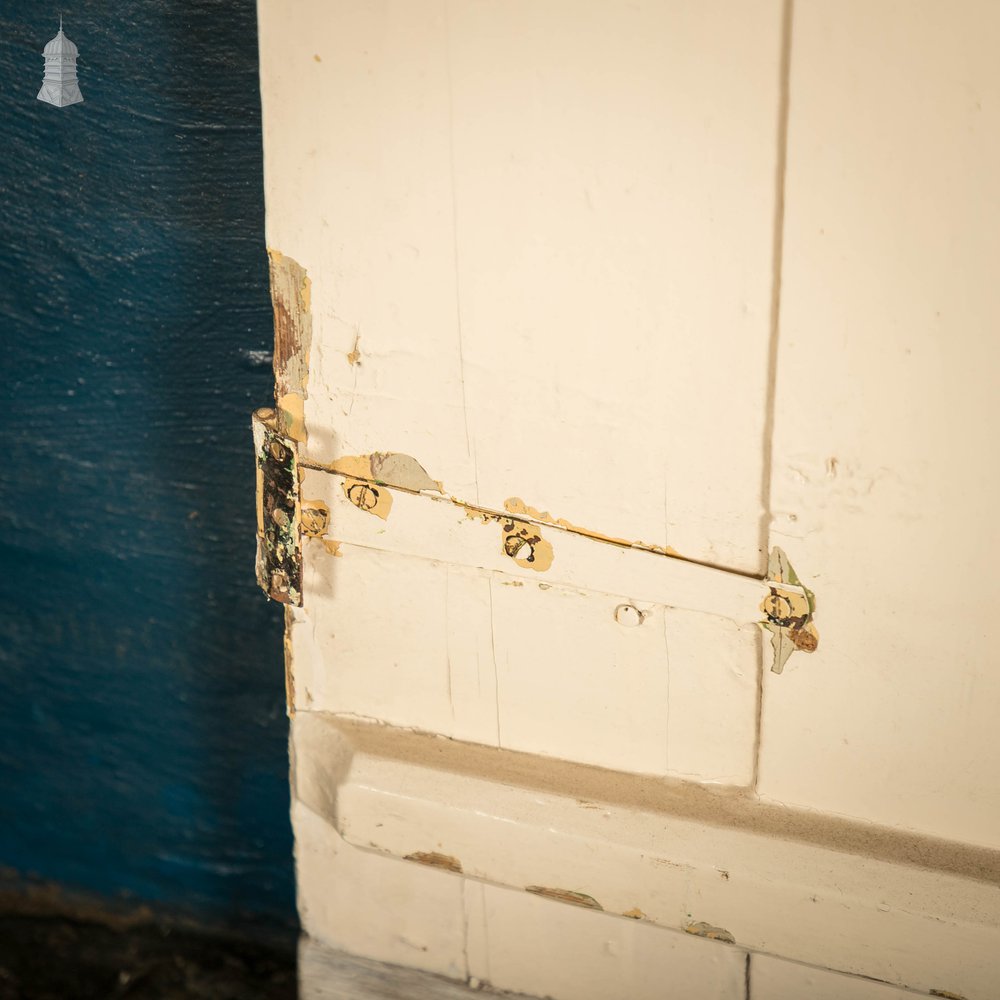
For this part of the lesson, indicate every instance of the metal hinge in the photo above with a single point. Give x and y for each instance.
(788, 611)
(279, 512)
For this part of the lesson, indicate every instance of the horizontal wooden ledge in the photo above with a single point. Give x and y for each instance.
(419, 524)
(907, 909)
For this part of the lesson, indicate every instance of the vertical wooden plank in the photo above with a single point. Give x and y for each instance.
(884, 490)
(539, 238)
(377, 907)
(574, 953)
(614, 180)
(357, 139)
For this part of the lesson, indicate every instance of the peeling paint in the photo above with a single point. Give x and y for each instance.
(290, 299)
(435, 860)
(477, 513)
(315, 518)
(635, 914)
(947, 995)
(789, 608)
(387, 468)
(701, 929)
(515, 505)
(399, 471)
(368, 496)
(565, 896)
(524, 544)
(354, 356)
(332, 546)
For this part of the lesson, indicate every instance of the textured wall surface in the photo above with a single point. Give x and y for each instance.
(142, 723)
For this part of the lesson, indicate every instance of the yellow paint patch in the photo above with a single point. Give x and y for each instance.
(474, 514)
(435, 860)
(291, 415)
(701, 929)
(357, 466)
(515, 505)
(332, 547)
(565, 896)
(387, 468)
(354, 356)
(524, 544)
(368, 497)
(635, 913)
(315, 518)
(291, 300)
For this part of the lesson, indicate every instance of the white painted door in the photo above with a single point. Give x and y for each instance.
(581, 309)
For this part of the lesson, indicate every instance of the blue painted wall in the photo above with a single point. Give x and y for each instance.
(142, 723)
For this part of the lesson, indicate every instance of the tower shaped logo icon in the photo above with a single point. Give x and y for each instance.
(59, 86)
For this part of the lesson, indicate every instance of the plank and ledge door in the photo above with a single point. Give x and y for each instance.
(582, 308)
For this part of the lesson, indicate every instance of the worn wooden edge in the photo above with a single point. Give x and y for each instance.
(884, 904)
(728, 807)
(326, 973)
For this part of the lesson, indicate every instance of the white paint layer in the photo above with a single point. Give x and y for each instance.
(773, 979)
(514, 661)
(546, 228)
(405, 913)
(542, 244)
(884, 487)
(904, 911)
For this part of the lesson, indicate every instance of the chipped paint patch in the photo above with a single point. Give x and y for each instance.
(290, 300)
(387, 468)
(315, 518)
(515, 505)
(354, 356)
(477, 513)
(368, 497)
(634, 914)
(565, 896)
(788, 608)
(435, 860)
(396, 470)
(332, 546)
(524, 544)
(701, 929)
(947, 995)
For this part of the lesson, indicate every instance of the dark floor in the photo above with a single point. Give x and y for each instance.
(54, 958)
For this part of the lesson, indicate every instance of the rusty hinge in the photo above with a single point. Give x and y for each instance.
(788, 609)
(279, 513)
